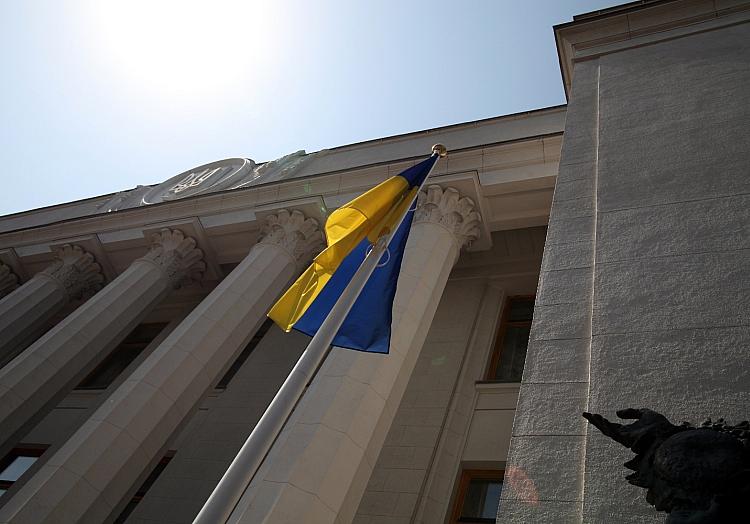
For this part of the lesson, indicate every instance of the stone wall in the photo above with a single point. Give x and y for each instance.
(671, 320)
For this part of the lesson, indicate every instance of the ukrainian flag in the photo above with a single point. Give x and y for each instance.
(351, 230)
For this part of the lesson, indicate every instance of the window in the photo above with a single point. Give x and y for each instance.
(509, 353)
(478, 496)
(144, 487)
(106, 372)
(237, 364)
(17, 462)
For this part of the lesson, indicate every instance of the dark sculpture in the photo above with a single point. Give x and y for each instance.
(696, 475)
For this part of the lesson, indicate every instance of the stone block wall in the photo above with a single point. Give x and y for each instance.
(644, 297)
(671, 303)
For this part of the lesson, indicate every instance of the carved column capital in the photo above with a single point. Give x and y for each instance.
(176, 255)
(299, 236)
(447, 208)
(76, 271)
(8, 280)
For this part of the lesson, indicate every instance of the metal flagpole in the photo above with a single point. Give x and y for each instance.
(241, 471)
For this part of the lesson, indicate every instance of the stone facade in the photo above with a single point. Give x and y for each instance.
(135, 356)
(642, 298)
(198, 267)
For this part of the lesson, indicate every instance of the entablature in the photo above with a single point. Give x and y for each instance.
(511, 183)
(637, 24)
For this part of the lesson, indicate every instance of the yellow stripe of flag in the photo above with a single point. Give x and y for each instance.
(369, 215)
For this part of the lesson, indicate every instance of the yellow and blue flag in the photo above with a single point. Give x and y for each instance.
(350, 232)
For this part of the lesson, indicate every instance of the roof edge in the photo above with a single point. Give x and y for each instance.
(643, 22)
(337, 148)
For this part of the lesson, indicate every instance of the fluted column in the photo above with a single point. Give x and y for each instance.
(35, 380)
(25, 312)
(319, 466)
(88, 477)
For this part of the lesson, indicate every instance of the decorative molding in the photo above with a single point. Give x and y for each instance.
(76, 271)
(8, 280)
(449, 209)
(222, 175)
(636, 24)
(177, 256)
(299, 236)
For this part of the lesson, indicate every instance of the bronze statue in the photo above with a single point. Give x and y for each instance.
(696, 475)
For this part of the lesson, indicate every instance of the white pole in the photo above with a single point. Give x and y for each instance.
(232, 485)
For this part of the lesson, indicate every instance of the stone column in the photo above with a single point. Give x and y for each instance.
(91, 477)
(8, 280)
(25, 311)
(321, 462)
(36, 380)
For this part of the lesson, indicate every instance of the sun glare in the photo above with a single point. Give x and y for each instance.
(181, 48)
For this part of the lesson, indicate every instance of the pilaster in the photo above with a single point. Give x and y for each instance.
(554, 385)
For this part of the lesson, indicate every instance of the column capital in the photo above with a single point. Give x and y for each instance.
(300, 237)
(177, 256)
(447, 208)
(76, 271)
(8, 280)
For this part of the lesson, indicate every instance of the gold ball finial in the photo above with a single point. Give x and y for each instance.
(440, 149)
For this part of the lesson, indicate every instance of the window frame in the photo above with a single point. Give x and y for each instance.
(502, 329)
(467, 475)
(21, 450)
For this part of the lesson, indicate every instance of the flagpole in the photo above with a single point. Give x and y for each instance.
(228, 492)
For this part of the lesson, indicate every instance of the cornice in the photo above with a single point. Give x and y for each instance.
(510, 182)
(354, 158)
(638, 24)
(286, 193)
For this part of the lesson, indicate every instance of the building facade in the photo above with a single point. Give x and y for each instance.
(643, 295)
(136, 340)
(136, 356)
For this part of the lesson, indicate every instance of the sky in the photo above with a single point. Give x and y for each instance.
(97, 96)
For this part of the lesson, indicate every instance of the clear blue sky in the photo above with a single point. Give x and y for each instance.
(99, 96)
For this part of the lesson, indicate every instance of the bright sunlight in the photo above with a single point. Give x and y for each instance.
(182, 48)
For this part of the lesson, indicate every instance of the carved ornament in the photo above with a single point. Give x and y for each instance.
(449, 209)
(299, 236)
(76, 271)
(177, 256)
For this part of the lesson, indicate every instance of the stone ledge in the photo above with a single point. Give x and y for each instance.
(588, 36)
